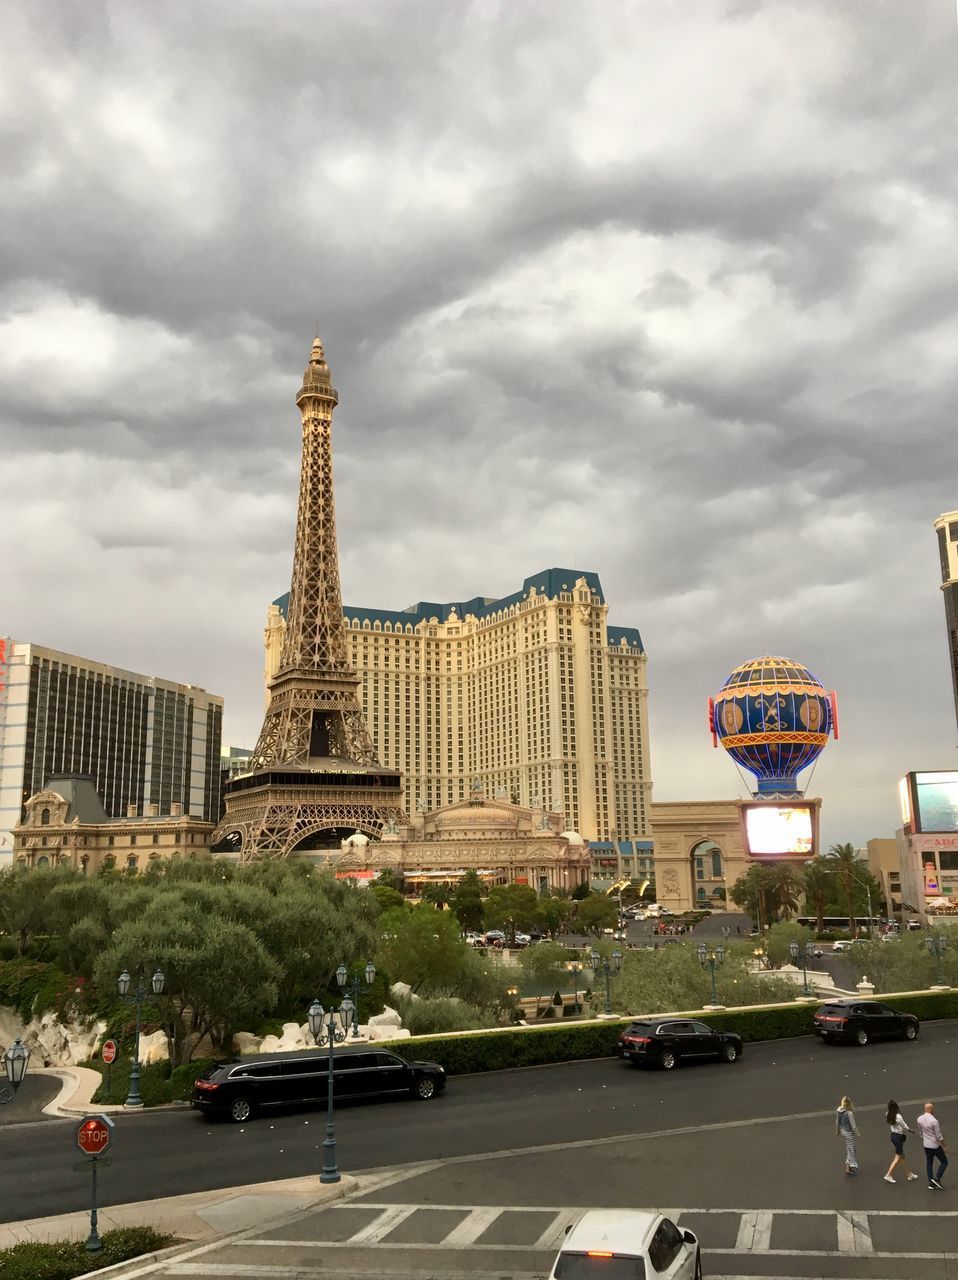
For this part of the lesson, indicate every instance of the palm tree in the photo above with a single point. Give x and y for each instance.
(846, 866)
(817, 888)
(784, 888)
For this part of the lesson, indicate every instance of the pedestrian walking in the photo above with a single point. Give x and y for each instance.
(847, 1130)
(934, 1144)
(899, 1133)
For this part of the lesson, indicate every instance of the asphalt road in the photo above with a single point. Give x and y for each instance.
(702, 1120)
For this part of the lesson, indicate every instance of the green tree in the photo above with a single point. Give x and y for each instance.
(847, 868)
(24, 900)
(423, 947)
(781, 936)
(510, 907)
(218, 973)
(671, 978)
(754, 893)
(467, 904)
(785, 885)
(595, 914)
(437, 894)
(387, 899)
(545, 963)
(555, 915)
(818, 886)
(581, 891)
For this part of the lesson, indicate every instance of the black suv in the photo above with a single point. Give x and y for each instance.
(862, 1020)
(242, 1087)
(668, 1041)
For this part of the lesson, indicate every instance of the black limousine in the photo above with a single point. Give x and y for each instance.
(244, 1086)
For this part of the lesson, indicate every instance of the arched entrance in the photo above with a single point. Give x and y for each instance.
(707, 865)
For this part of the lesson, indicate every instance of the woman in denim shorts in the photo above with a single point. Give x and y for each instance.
(899, 1130)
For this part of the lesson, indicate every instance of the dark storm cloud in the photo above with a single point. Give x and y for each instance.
(665, 291)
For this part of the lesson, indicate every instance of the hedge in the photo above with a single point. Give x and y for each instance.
(65, 1259)
(158, 1084)
(541, 1046)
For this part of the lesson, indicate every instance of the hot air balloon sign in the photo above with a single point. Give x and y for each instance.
(774, 718)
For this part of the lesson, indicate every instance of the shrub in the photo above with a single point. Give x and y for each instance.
(32, 986)
(65, 1259)
(535, 1046)
(158, 1083)
(429, 1017)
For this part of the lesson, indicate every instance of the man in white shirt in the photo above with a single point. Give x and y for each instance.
(934, 1145)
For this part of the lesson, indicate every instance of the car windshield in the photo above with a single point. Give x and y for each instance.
(637, 1029)
(584, 1266)
(211, 1070)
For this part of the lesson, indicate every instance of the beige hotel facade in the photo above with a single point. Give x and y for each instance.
(535, 695)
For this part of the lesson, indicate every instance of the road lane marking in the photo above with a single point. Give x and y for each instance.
(382, 1224)
(754, 1232)
(471, 1228)
(854, 1233)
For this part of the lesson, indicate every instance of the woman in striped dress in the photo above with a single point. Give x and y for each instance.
(847, 1129)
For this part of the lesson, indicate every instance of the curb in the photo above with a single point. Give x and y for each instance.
(147, 1263)
(75, 1082)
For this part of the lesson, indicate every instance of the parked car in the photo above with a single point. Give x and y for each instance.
(666, 1042)
(862, 1020)
(242, 1088)
(627, 1244)
(495, 935)
(913, 925)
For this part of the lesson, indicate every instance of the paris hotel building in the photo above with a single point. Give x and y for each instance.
(534, 694)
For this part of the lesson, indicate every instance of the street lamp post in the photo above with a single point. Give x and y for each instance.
(157, 983)
(712, 959)
(513, 994)
(355, 987)
(575, 968)
(329, 1027)
(607, 967)
(937, 946)
(802, 956)
(15, 1062)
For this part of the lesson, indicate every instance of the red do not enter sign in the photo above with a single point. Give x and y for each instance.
(108, 1052)
(94, 1134)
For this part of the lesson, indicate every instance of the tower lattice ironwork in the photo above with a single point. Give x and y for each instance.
(314, 769)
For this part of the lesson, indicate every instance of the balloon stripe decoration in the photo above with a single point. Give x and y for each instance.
(774, 718)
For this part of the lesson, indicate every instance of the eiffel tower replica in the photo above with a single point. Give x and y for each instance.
(314, 777)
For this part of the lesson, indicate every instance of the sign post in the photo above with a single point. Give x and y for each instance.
(108, 1057)
(93, 1137)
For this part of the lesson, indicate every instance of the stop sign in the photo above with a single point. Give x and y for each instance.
(93, 1135)
(108, 1052)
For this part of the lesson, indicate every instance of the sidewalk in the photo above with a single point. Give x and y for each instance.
(200, 1216)
(78, 1087)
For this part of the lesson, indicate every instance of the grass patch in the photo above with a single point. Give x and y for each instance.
(65, 1259)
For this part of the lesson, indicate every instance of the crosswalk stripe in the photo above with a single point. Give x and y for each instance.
(854, 1233)
(754, 1232)
(471, 1228)
(555, 1231)
(381, 1225)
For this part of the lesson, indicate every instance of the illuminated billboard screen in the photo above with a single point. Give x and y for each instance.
(780, 830)
(936, 801)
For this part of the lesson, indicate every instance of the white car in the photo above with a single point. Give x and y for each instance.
(627, 1244)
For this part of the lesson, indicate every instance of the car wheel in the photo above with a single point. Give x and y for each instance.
(861, 1036)
(241, 1109)
(668, 1060)
(911, 1032)
(698, 1264)
(730, 1053)
(424, 1088)
(827, 1039)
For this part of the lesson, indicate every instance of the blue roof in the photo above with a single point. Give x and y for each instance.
(549, 583)
(626, 847)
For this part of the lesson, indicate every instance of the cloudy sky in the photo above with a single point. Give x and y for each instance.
(664, 289)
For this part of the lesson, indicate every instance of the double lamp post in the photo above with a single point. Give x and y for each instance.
(123, 983)
(15, 1062)
(329, 1027)
(606, 967)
